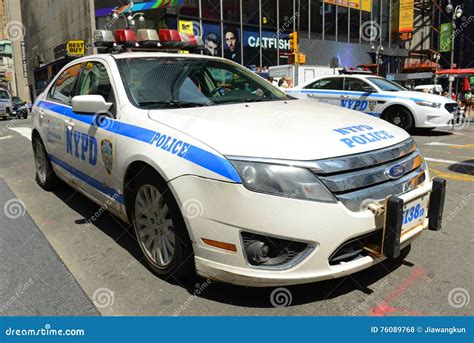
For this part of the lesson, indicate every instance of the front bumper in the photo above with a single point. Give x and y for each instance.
(220, 211)
(433, 118)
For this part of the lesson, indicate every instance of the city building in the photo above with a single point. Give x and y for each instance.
(6, 67)
(15, 31)
(396, 38)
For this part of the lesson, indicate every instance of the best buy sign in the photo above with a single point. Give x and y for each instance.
(76, 47)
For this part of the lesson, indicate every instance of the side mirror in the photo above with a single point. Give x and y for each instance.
(368, 89)
(90, 104)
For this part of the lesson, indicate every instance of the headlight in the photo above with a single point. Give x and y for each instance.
(285, 181)
(428, 104)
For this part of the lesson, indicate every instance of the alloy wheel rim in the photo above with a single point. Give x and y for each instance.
(154, 226)
(40, 163)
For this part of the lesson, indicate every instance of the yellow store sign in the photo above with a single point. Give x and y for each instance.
(364, 5)
(76, 47)
(407, 13)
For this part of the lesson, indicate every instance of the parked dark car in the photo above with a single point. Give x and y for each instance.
(20, 108)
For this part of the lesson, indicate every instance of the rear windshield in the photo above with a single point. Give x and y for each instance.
(164, 82)
(4, 95)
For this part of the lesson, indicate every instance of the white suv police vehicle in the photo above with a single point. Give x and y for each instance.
(380, 98)
(5, 104)
(193, 151)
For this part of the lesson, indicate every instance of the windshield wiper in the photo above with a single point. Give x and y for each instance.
(172, 103)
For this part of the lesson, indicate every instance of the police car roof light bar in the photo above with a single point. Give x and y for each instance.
(170, 38)
(104, 39)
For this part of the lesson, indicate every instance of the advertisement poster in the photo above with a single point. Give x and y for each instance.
(364, 5)
(407, 12)
(445, 37)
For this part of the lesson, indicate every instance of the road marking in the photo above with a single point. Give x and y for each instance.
(5, 137)
(24, 131)
(440, 144)
(467, 146)
(467, 164)
(453, 176)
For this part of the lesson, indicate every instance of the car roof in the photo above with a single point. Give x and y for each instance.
(141, 54)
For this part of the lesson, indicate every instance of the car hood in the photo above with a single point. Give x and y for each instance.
(293, 130)
(423, 96)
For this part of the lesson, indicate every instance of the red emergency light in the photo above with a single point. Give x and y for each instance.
(127, 38)
(170, 38)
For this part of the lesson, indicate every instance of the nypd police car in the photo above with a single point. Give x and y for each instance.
(380, 98)
(5, 104)
(196, 153)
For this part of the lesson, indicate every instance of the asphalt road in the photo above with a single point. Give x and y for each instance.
(435, 277)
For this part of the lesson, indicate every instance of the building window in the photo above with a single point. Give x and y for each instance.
(316, 19)
(250, 13)
(342, 23)
(329, 22)
(354, 26)
(211, 9)
(190, 8)
(231, 10)
(286, 14)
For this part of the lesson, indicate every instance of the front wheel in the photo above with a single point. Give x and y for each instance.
(160, 228)
(45, 175)
(400, 117)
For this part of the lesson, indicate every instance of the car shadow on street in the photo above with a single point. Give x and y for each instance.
(463, 168)
(254, 297)
(261, 297)
(431, 133)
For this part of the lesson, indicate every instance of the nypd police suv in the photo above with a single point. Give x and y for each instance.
(5, 104)
(223, 174)
(380, 98)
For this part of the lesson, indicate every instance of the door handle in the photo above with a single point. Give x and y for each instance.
(69, 124)
(344, 96)
(41, 114)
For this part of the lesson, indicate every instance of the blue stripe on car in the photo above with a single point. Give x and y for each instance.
(331, 92)
(87, 179)
(196, 155)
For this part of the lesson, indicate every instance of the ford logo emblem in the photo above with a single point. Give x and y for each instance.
(395, 172)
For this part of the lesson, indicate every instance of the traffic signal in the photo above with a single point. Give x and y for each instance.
(294, 42)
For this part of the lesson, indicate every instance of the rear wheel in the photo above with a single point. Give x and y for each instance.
(400, 117)
(45, 175)
(160, 228)
(8, 113)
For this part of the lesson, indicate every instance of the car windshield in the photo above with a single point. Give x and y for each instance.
(166, 82)
(16, 100)
(385, 85)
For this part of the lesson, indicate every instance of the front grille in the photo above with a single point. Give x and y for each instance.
(359, 179)
(451, 108)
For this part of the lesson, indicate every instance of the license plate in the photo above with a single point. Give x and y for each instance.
(415, 212)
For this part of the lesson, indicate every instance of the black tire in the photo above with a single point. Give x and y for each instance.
(49, 180)
(182, 261)
(8, 112)
(401, 117)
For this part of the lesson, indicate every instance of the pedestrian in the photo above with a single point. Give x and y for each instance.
(468, 102)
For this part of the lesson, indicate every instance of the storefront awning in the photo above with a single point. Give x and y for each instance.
(456, 72)
(142, 6)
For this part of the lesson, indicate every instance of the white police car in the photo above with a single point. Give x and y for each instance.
(381, 98)
(197, 154)
(5, 104)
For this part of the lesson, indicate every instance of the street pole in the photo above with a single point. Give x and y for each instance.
(453, 23)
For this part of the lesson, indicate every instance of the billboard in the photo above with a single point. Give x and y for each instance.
(445, 37)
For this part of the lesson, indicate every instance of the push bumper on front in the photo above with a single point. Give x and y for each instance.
(222, 211)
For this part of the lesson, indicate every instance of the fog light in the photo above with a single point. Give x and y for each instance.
(271, 252)
(258, 252)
